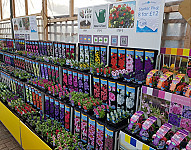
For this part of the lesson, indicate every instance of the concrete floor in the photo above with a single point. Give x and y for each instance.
(7, 141)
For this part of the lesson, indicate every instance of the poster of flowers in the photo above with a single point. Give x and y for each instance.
(84, 129)
(91, 132)
(121, 15)
(77, 122)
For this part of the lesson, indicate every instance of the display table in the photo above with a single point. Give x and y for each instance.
(20, 131)
(127, 142)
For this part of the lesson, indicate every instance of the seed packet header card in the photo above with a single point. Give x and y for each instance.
(130, 24)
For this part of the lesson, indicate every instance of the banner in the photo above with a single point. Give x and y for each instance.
(25, 28)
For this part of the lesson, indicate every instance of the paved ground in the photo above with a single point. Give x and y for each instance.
(7, 141)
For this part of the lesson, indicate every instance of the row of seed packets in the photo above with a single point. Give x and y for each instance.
(118, 95)
(33, 96)
(89, 53)
(16, 86)
(40, 47)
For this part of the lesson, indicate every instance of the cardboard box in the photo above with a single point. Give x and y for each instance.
(185, 10)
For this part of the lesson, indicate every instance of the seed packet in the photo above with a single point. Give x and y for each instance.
(37, 100)
(91, 131)
(84, 127)
(70, 81)
(45, 48)
(67, 51)
(59, 50)
(112, 94)
(75, 81)
(92, 54)
(56, 50)
(97, 92)
(33, 97)
(57, 75)
(67, 117)
(77, 122)
(47, 105)
(81, 53)
(42, 70)
(72, 51)
(62, 113)
(87, 55)
(130, 54)
(27, 93)
(113, 57)
(46, 71)
(63, 50)
(149, 61)
(53, 73)
(40, 99)
(99, 135)
(86, 83)
(80, 83)
(104, 91)
(65, 79)
(121, 96)
(104, 55)
(49, 73)
(121, 58)
(52, 102)
(139, 66)
(97, 54)
(110, 140)
(57, 110)
(131, 99)
(30, 95)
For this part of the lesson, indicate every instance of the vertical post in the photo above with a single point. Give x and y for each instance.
(55, 31)
(13, 7)
(187, 41)
(11, 17)
(61, 31)
(26, 7)
(71, 8)
(45, 19)
(72, 34)
(1, 10)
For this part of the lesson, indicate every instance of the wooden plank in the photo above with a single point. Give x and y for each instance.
(187, 41)
(1, 10)
(182, 31)
(45, 19)
(164, 30)
(26, 7)
(173, 38)
(173, 3)
(13, 7)
(171, 9)
(71, 8)
(63, 19)
(174, 21)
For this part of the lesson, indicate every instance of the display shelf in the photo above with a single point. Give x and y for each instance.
(11, 122)
(128, 142)
(20, 131)
(27, 136)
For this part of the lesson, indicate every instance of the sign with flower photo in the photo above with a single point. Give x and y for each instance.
(92, 54)
(104, 55)
(75, 81)
(121, 15)
(112, 94)
(62, 113)
(87, 54)
(97, 54)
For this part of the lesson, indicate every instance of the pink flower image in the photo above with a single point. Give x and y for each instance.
(111, 96)
(176, 108)
(185, 124)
